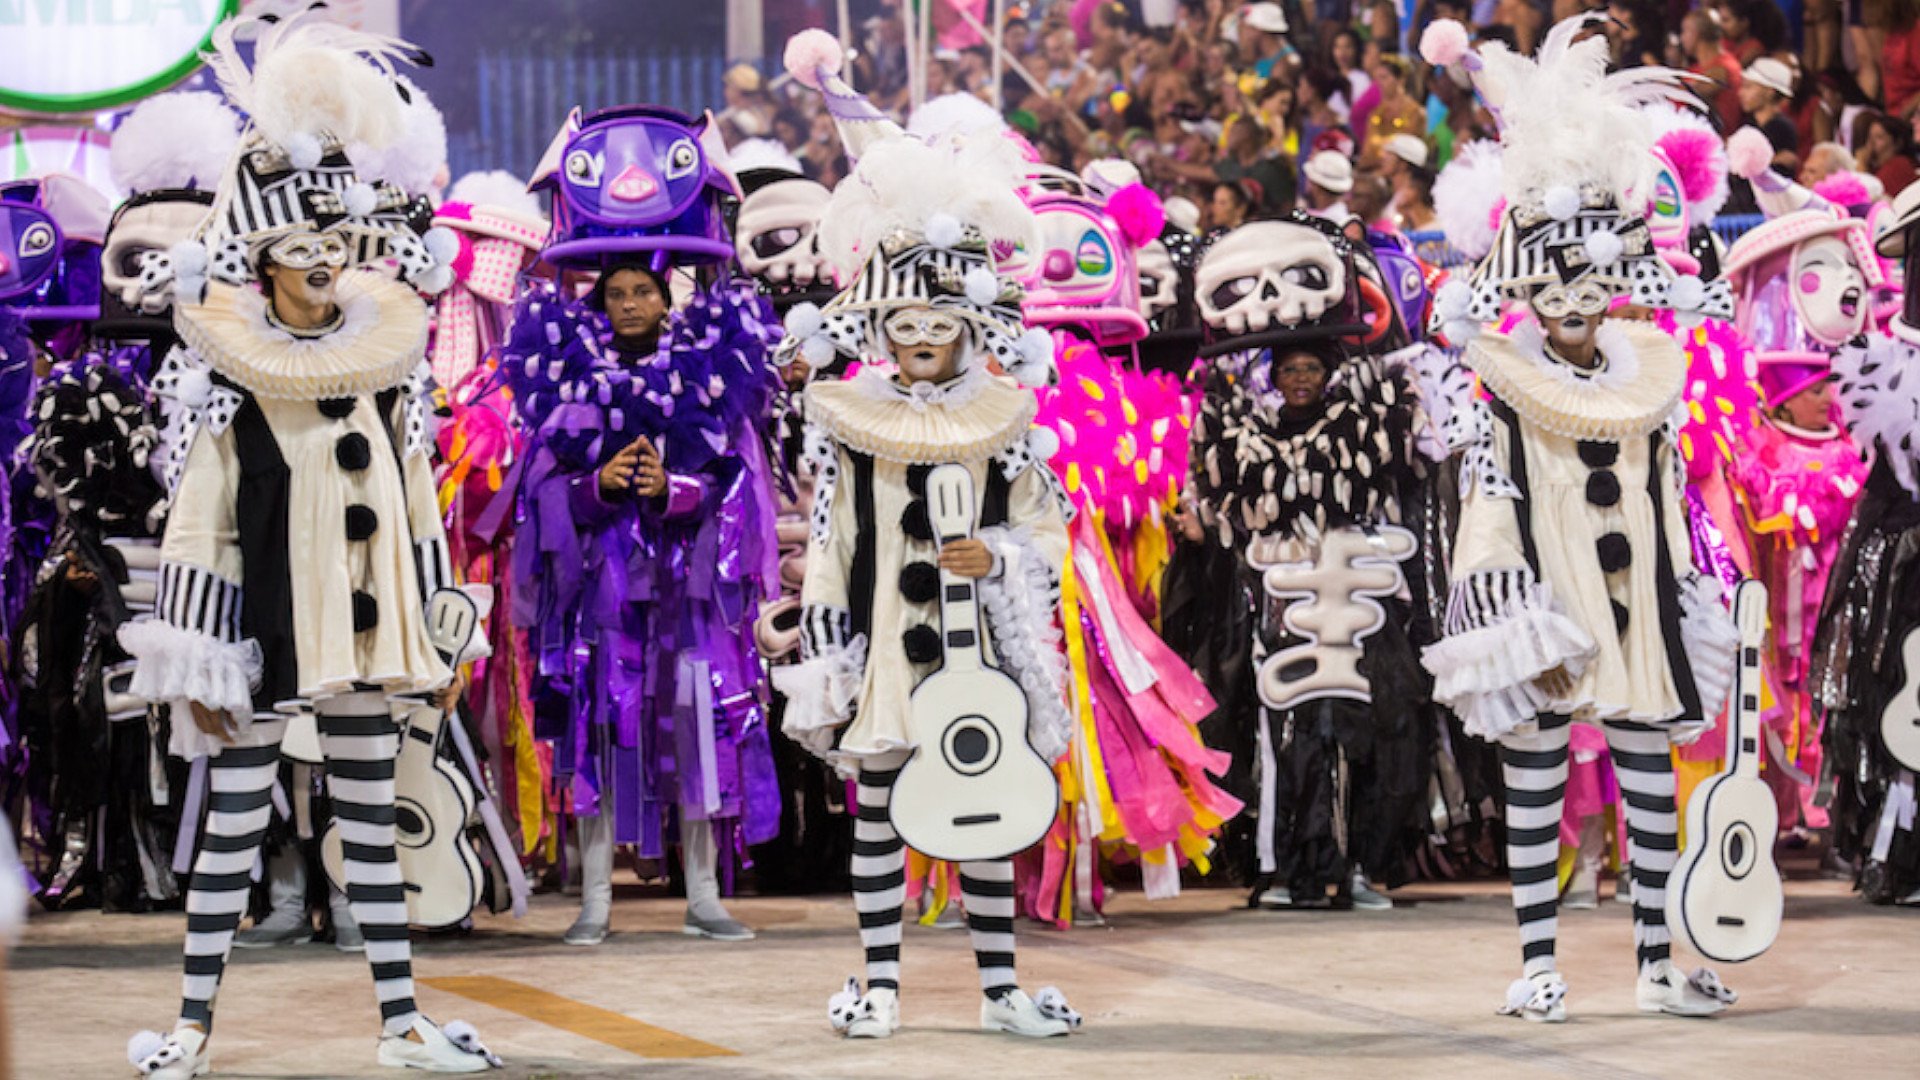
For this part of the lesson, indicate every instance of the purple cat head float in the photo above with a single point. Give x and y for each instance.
(50, 234)
(637, 180)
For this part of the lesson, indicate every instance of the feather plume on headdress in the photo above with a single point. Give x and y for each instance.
(1466, 196)
(312, 77)
(181, 140)
(1566, 122)
(903, 184)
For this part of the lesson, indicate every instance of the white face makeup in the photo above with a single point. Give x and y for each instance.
(925, 343)
(1829, 292)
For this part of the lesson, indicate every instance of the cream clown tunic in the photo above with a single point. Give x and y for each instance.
(1574, 591)
(305, 533)
(869, 604)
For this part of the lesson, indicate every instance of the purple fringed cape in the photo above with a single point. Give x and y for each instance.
(639, 611)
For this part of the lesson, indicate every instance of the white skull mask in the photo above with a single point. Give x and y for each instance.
(147, 226)
(776, 237)
(1268, 275)
(1159, 281)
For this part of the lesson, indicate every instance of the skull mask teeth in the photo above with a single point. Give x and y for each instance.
(1269, 275)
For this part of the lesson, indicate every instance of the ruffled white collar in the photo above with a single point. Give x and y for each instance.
(1634, 390)
(973, 416)
(382, 336)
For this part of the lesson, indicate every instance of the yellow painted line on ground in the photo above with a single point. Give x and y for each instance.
(589, 1021)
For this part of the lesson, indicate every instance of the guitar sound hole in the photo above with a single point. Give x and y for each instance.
(412, 827)
(970, 745)
(1738, 852)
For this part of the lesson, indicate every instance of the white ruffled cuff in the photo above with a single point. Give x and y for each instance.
(1020, 601)
(1712, 642)
(821, 693)
(173, 665)
(1488, 667)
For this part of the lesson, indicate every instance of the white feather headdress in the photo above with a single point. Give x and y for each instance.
(182, 140)
(313, 79)
(1566, 122)
(1466, 197)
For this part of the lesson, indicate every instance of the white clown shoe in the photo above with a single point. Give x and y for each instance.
(1662, 989)
(455, 1050)
(179, 1056)
(1016, 1014)
(876, 1015)
(1539, 999)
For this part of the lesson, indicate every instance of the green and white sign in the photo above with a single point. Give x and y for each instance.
(69, 56)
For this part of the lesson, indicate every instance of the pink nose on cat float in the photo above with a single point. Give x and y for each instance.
(633, 185)
(1059, 265)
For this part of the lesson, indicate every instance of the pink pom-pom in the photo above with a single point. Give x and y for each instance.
(1444, 42)
(1698, 160)
(1749, 153)
(812, 54)
(1844, 189)
(1139, 212)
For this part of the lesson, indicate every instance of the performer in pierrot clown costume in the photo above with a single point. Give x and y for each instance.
(304, 543)
(924, 311)
(1574, 597)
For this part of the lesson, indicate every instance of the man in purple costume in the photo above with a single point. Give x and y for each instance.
(647, 537)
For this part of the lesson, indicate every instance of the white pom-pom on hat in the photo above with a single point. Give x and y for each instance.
(804, 320)
(1444, 42)
(944, 231)
(143, 1045)
(983, 288)
(811, 54)
(189, 259)
(360, 200)
(304, 150)
(1604, 248)
(442, 243)
(1561, 201)
(1451, 301)
(817, 351)
(1035, 346)
(1687, 293)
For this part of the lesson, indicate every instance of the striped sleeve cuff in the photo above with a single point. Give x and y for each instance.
(823, 629)
(195, 598)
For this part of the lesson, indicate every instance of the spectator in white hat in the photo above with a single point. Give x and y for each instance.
(1329, 179)
(1401, 152)
(1765, 88)
(1263, 39)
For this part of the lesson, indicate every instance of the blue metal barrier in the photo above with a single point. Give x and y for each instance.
(524, 98)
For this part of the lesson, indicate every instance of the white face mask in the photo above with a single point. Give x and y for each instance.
(1828, 290)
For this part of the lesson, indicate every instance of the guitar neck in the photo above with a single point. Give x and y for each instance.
(1743, 743)
(960, 623)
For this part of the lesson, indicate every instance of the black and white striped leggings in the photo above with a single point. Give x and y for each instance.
(360, 740)
(879, 872)
(1536, 777)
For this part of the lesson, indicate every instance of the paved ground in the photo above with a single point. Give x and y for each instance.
(1195, 987)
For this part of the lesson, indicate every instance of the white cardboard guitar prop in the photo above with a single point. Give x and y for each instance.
(974, 787)
(1900, 721)
(433, 799)
(1725, 896)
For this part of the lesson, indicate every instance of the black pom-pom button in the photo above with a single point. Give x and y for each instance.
(917, 479)
(1603, 489)
(1619, 617)
(352, 452)
(919, 582)
(361, 522)
(922, 644)
(1616, 553)
(366, 612)
(338, 408)
(1599, 455)
(914, 521)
